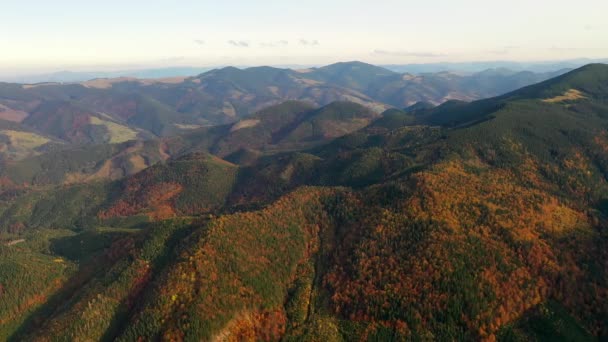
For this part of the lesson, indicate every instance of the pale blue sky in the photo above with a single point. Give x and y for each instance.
(38, 35)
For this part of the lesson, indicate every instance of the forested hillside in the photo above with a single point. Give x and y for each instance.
(482, 220)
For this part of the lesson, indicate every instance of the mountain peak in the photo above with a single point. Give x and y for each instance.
(354, 66)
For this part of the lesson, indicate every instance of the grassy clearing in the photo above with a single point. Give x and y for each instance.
(180, 126)
(118, 133)
(24, 140)
(569, 95)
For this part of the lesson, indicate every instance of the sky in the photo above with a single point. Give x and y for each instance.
(44, 35)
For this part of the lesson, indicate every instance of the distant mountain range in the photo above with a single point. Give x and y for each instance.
(82, 76)
(37, 117)
(472, 67)
(422, 68)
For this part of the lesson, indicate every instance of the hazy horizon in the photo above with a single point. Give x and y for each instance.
(467, 67)
(70, 35)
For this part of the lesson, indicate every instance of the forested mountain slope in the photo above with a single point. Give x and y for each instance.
(469, 221)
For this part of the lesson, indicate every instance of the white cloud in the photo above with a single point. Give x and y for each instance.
(307, 42)
(278, 43)
(402, 53)
(239, 43)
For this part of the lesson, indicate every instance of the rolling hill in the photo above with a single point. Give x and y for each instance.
(289, 126)
(119, 109)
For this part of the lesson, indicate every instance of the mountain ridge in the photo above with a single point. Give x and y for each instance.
(166, 107)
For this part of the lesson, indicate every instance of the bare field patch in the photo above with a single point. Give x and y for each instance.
(181, 126)
(304, 71)
(13, 115)
(244, 124)
(138, 162)
(118, 133)
(274, 90)
(105, 83)
(25, 140)
(104, 172)
(166, 80)
(32, 86)
(20, 144)
(308, 81)
(569, 95)
(229, 109)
